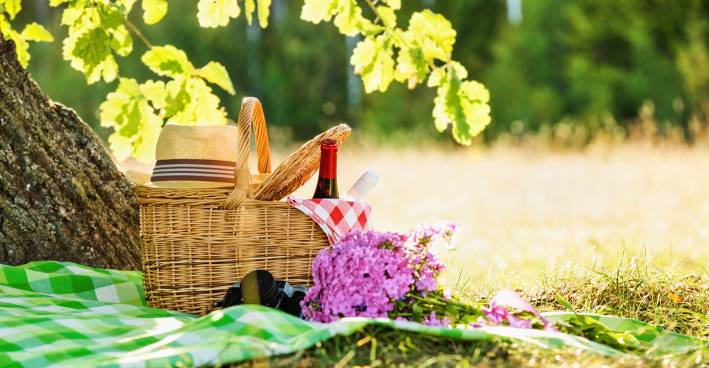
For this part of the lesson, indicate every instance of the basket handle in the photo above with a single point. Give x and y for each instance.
(251, 115)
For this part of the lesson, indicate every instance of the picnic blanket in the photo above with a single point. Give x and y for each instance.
(55, 314)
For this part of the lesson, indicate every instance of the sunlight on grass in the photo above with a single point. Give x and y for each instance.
(614, 230)
(523, 212)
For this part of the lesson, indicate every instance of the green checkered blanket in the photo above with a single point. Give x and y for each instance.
(64, 314)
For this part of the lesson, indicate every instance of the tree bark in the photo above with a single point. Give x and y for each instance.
(61, 196)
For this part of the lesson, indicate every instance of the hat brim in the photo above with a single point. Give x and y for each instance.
(143, 179)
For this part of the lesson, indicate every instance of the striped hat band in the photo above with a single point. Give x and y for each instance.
(194, 170)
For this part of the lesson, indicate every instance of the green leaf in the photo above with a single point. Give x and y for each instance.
(191, 101)
(119, 110)
(72, 16)
(4, 24)
(316, 11)
(177, 97)
(459, 69)
(348, 15)
(216, 73)
(249, 9)
(90, 53)
(417, 309)
(426, 44)
(111, 16)
(121, 147)
(12, 7)
(411, 66)
(121, 42)
(144, 145)
(461, 104)
(475, 92)
(35, 32)
(216, 13)
(565, 303)
(348, 18)
(264, 10)
(373, 61)
(167, 61)
(433, 33)
(136, 124)
(596, 331)
(154, 10)
(31, 32)
(95, 33)
(437, 75)
(55, 3)
(155, 92)
(394, 4)
(387, 15)
(122, 6)
(367, 28)
(21, 46)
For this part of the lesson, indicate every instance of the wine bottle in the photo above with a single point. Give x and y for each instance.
(327, 177)
(362, 186)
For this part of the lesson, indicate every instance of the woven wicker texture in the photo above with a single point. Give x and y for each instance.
(198, 242)
(299, 167)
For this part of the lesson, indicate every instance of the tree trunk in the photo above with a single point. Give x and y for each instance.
(61, 196)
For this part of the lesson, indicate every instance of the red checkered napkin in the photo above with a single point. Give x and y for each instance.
(335, 216)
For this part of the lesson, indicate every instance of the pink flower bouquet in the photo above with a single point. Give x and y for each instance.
(390, 275)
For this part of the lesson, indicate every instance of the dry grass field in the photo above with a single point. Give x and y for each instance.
(525, 213)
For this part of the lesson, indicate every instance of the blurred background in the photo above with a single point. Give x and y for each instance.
(597, 143)
(567, 70)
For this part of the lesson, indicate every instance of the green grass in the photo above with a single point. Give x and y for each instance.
(379, 347)
(677, 302)
(635, 289)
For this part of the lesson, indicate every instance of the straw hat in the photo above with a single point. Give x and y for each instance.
(192, 157)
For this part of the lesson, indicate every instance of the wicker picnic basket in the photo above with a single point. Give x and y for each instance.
(198, 242)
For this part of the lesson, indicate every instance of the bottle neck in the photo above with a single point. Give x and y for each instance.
(328, 164)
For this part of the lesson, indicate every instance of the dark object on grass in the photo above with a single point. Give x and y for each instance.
(259, 287)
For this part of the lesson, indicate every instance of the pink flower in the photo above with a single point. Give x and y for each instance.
(434, 321)
(481, 322)
(510, 299)
(518, 322)
(377, 274)
(362, 275)
(426, 234)
(496, 314)
(366, 273)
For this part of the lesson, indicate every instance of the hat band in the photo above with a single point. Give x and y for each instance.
(194, 170)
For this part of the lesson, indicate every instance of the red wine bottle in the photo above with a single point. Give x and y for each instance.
(327, 177)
